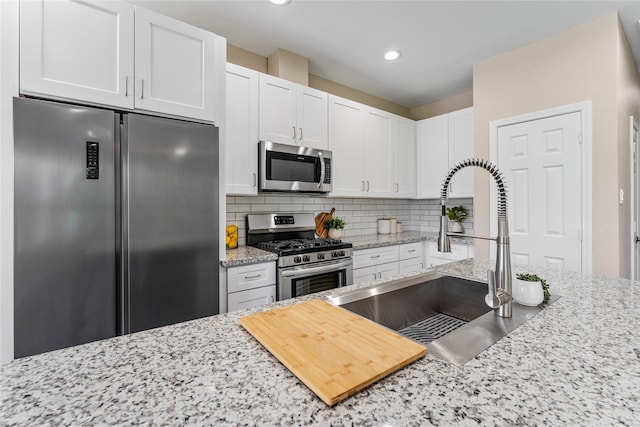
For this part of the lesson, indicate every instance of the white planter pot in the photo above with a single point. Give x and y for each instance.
(456, 227)
(527, 293)
(335, 233)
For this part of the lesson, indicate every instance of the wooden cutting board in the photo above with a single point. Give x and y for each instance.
(331, 350)
(320, 219)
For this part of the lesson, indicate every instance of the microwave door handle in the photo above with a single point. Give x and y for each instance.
(313, 270)
(321, 170)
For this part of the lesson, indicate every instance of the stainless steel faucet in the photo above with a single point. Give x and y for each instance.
(499, 280)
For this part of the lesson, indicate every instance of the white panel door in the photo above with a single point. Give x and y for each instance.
(461, 148)
(278, 110)
(541, 162)
(78, 50)
(175, 67)
(433, 155)
(311, 117)
(346, 141)
(242, 130)
(378, 153)
(404, 154)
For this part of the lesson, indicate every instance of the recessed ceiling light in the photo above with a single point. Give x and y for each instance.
(280, 2)
(392, 55)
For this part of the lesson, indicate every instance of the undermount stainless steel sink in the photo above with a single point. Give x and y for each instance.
(447, 314)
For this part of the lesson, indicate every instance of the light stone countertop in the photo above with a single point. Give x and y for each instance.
(575, 363)
(379, 240)
(244, 255)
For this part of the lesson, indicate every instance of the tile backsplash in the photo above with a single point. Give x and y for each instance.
(361, 215)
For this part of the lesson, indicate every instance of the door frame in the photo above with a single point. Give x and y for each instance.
(634, 128)
(585, 109)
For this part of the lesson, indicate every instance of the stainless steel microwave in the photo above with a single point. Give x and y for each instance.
(292, 169)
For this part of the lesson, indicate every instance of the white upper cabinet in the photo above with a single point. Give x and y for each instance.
(404, 155)
(444, 141)
(361, 140)
(176, 66)
(78, 50)
(378, 153)
(346, 141)
(291, 113)
(114, 54)
(242, 130)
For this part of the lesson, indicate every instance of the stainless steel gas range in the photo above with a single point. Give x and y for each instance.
(306, 263)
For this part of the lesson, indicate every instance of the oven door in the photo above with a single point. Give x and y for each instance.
(303, 280)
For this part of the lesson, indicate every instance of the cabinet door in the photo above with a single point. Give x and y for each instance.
(242, 130)
(387, 271)
(433, 155)
(378, 154)
(78, 50)
(311, 117)
(404, 154)
(346, 141)
(363, 275)
(176, 67)
(461, 148)
(277, 110)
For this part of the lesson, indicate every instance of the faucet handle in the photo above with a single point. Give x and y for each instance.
(493, 298)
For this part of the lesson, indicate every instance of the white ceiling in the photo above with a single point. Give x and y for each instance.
(440, 40)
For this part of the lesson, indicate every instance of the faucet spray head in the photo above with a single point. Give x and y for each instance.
(444, 242)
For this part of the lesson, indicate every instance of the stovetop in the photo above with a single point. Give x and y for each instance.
(297, 246)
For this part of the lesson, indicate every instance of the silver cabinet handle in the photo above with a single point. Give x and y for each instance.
(397, 187)
(362, 182)
(141, 89)
(367, 185)
(255, 276)
(374, 256)
(300, 134)
(126, 85)
(294, 132)
(411, 250)
(255, 179)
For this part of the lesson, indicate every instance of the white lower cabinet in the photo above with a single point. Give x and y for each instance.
(375, 264)
(458, 252)
(251, 285)
(411, 258)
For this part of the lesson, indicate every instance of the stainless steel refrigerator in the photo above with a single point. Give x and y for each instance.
(116, 223)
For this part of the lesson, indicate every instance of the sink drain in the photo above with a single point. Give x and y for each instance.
(431, 328)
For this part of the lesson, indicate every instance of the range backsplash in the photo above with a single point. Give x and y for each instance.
(360, 214)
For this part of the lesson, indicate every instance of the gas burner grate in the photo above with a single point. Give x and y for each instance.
(431, 328)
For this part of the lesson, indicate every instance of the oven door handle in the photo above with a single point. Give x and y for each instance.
(310, 270)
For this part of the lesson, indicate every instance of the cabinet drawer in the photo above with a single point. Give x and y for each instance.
(250, 276)
(251, 298)
(410, 250)
(375, 256)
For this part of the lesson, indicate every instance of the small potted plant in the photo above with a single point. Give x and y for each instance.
(335, 226)
(529, 289)
(457, 214)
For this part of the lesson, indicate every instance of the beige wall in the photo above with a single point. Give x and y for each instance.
(576, 65)
(244, 58)
(443, 106)
(628, 95)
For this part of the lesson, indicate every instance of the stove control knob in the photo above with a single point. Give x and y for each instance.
(320, 256)
(341, 253)
(335, 254)
(306, 258)
(297, 259)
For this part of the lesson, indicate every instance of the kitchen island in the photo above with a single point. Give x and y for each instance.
(575, 363)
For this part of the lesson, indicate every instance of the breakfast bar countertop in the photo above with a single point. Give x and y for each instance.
(575, 363)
